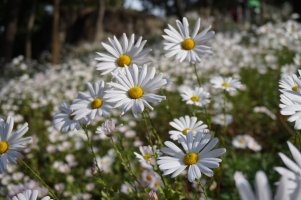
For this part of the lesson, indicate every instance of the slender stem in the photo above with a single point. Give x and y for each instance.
(203, 188)
(196, 74)
(149, 132)
(90, 144)
(154, 131)
(167, 104)
(38, 177)
(208, 118)
(125, 163)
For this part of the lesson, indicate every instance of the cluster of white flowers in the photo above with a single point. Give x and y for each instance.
(132, 86)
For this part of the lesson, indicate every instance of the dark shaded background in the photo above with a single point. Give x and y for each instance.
(33, 27)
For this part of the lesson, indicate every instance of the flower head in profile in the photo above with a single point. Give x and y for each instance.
(122, 54)
(88, 105)
(186, 45)
(186, 124)
(29, 195)
(11, 143)
(107, 128)
(134, 90)
(228, 84)
(64, 121)
(198, 96)
(198, 156)
(147, 156)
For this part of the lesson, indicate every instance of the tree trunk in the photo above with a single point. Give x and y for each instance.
(30, 25)
(13, 8)
(56, 33)
(99, 21)
(180, 9)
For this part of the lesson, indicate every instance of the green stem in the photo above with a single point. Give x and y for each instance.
(203, 188)
(90, 144)
(154, 131)
(38, 177)
(196, 74)
(126, 164)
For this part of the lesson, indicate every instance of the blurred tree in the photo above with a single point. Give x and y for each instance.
(11, 27)
(30, 25)
(56, 32)
(99, 20)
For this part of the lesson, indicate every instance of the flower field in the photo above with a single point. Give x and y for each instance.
(197, 114)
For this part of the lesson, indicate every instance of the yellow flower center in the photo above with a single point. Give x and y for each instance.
(226, 84)
(96, 103)
(191, 158)
(157, 184)
(185, 131)
(241, 141)
(124, 60)
(188, 44)
(295, 88)
(3, 147)
(147, 156)
(135, 92)
(195, 98)
(148, 177)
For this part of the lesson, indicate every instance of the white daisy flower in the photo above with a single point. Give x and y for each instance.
(64, 121)
(198, 96)
(290, 104)
(222, 119)
(240, 142)
(151, 179)
(198, 156)
(147, 156)
(263, 190)
(290, 83)
(185, 45)
(229, 84)
(293, 170)
(11, 143)
(186, 124)
(246, 141)
(107, 128)
(135, 89)
(29, 195)
(92, 103)
(122, 54)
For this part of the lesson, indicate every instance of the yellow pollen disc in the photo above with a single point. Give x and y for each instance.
(147, 156)
(124, 60)
(3, 147)
(241, 141)
(135, 92)
(157, 184)
(195, 98)
(188, 44)
(149, 177)
(295, 88)
(226, 84)
(96, 103)
(185, 131)
(191, 158)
